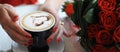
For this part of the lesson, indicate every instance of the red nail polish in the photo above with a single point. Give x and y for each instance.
(68, 35)
(76, 26)
(49, 40)
(15, 18)
(28, 36)
(54, 29)
(25, 44)
(58, 40)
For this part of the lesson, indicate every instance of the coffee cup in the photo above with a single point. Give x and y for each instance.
(39, 24)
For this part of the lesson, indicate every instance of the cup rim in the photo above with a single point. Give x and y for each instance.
(37, 30)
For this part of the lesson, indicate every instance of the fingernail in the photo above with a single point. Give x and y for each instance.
(68, 35)
(15, 18)
(28, 36)
(54, 29)
(25, 44)
(58, 40)
(49, 40)
(76, 26)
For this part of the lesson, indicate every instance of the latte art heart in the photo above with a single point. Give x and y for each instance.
(37, 21)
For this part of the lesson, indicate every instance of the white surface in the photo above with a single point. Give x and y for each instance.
(5, 41)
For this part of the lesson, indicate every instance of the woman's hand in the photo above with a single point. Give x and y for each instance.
(8, 18)
(58, 29)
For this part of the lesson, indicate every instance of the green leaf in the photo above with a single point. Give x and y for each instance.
(85, 45)
(91, 4)
(80, 33)
(89, 16)
(76, 17)
(63, 9)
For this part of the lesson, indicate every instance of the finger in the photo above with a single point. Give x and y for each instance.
(3, 15)
(57, 20)
(58, 39)
(74, 27)
(55, 14)
(19, 30)
(52, 36)
(6, 18)
(15, 36)
(65, 32)
(20, 39)
(11, 11)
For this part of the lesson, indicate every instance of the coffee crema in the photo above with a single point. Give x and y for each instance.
(37, 21)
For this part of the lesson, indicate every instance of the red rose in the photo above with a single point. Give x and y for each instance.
(99, 48)
(33, 1)
(93, 29)
(118, 12)
(69, 9)
(104, 37)
(113, 49)
(107, 5)
(29, 1)
(116, 35)
(18, 2)
(108, 20)
(1, 1)
(12, 2)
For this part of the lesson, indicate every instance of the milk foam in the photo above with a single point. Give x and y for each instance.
(37, 21)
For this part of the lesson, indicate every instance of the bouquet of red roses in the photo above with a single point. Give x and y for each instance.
(99, 21)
